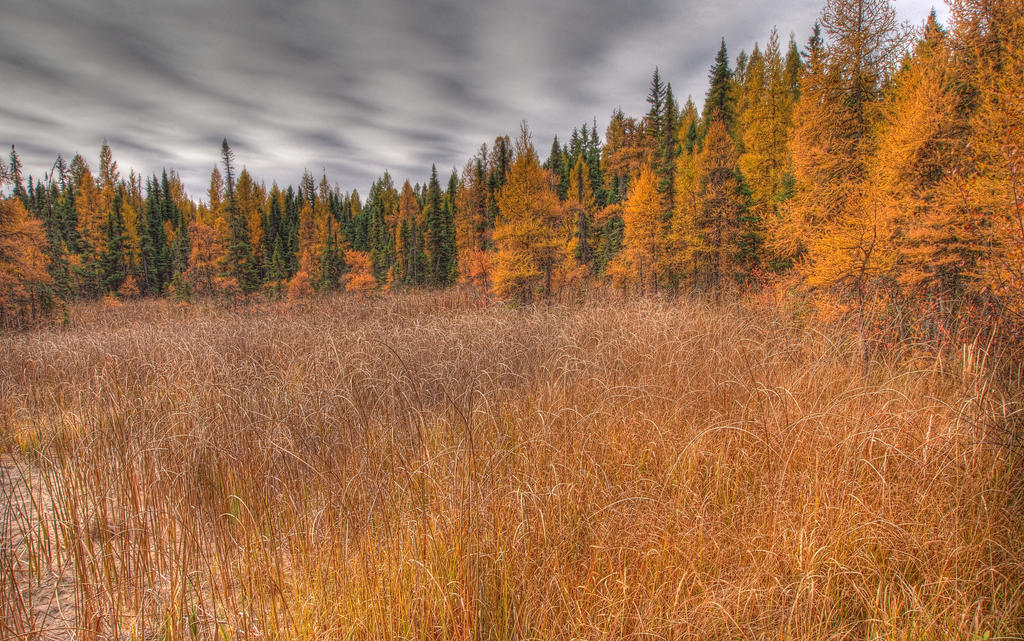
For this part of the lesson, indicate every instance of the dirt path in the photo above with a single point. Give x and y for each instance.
(38, 584)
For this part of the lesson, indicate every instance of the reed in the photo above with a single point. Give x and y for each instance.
(420, 467)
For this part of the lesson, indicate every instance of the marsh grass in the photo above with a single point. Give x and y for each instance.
(421, 468)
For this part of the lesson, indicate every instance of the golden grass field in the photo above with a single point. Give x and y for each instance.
(418, 468)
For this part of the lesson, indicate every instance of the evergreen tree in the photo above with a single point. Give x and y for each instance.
(153, 255)
(655, 119)
(15, 176)
(113, 262)
(240, 261)
(438, 235)
(451, 213)
(720, 103)
(579, 208)
(556, 165)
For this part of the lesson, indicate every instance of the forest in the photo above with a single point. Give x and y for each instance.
(875, 171)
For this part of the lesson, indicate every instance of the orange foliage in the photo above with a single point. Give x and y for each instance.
(22, 264)
(360, 277)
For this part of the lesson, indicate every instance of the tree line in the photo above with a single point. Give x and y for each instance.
(877, 165)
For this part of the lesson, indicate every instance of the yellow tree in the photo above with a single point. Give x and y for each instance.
(644, 243)
(767, 119)
(529, 245)
(215, 196)
(410, 265)
(312, 234)
(473, 232)
(715, 236)
(919, 167)
(360, 278)
(208, 252)
(989, 36)
(622, 156)
(834, 222)
(91, 215)
(250, 198)
(682, 238)
(22, 264)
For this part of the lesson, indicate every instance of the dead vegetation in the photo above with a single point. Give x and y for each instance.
(410, 468)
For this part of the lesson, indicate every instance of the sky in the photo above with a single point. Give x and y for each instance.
(354, 87)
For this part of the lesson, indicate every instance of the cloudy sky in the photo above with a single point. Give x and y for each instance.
(352, 87)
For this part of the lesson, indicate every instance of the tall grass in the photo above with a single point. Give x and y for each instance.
(412, 468)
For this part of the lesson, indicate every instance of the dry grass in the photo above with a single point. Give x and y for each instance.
(411, 468)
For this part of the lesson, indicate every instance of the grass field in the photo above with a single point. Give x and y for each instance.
(417, 468)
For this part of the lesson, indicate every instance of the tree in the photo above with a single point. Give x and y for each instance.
(556, 164)
(411, 261)
(919, 167)
(13, 175)
(623, 155)
(114, 263)
(767, 119)
(240, 262)
(360, 278)
(716, 229)
(23, 275)
(529, 245)
(644, 217)
(720, 103)
(834, 216)
(579, 208)
(654, 122)
(438, 235)
(987, 36)
(208, 253)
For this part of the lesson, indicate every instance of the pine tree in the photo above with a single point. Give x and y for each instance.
(450, 206)
(654, 122)
(668, 149)
(437, 245)
(15, 177)
(113, 263)
(720, 103)
(579, 208)
(556, 165)
(154, 258)
(791, 70)
(240, 262)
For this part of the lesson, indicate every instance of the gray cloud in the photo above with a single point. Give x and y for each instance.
(352, 88)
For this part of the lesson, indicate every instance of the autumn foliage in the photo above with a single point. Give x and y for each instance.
(873, 172)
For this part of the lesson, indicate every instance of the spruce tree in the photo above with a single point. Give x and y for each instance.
(241, 263)
(438, 234)
(113, 262)
(556, 164)
(450, 266)
(720, 103)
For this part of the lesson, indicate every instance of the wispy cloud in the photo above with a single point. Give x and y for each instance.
(351, 88)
